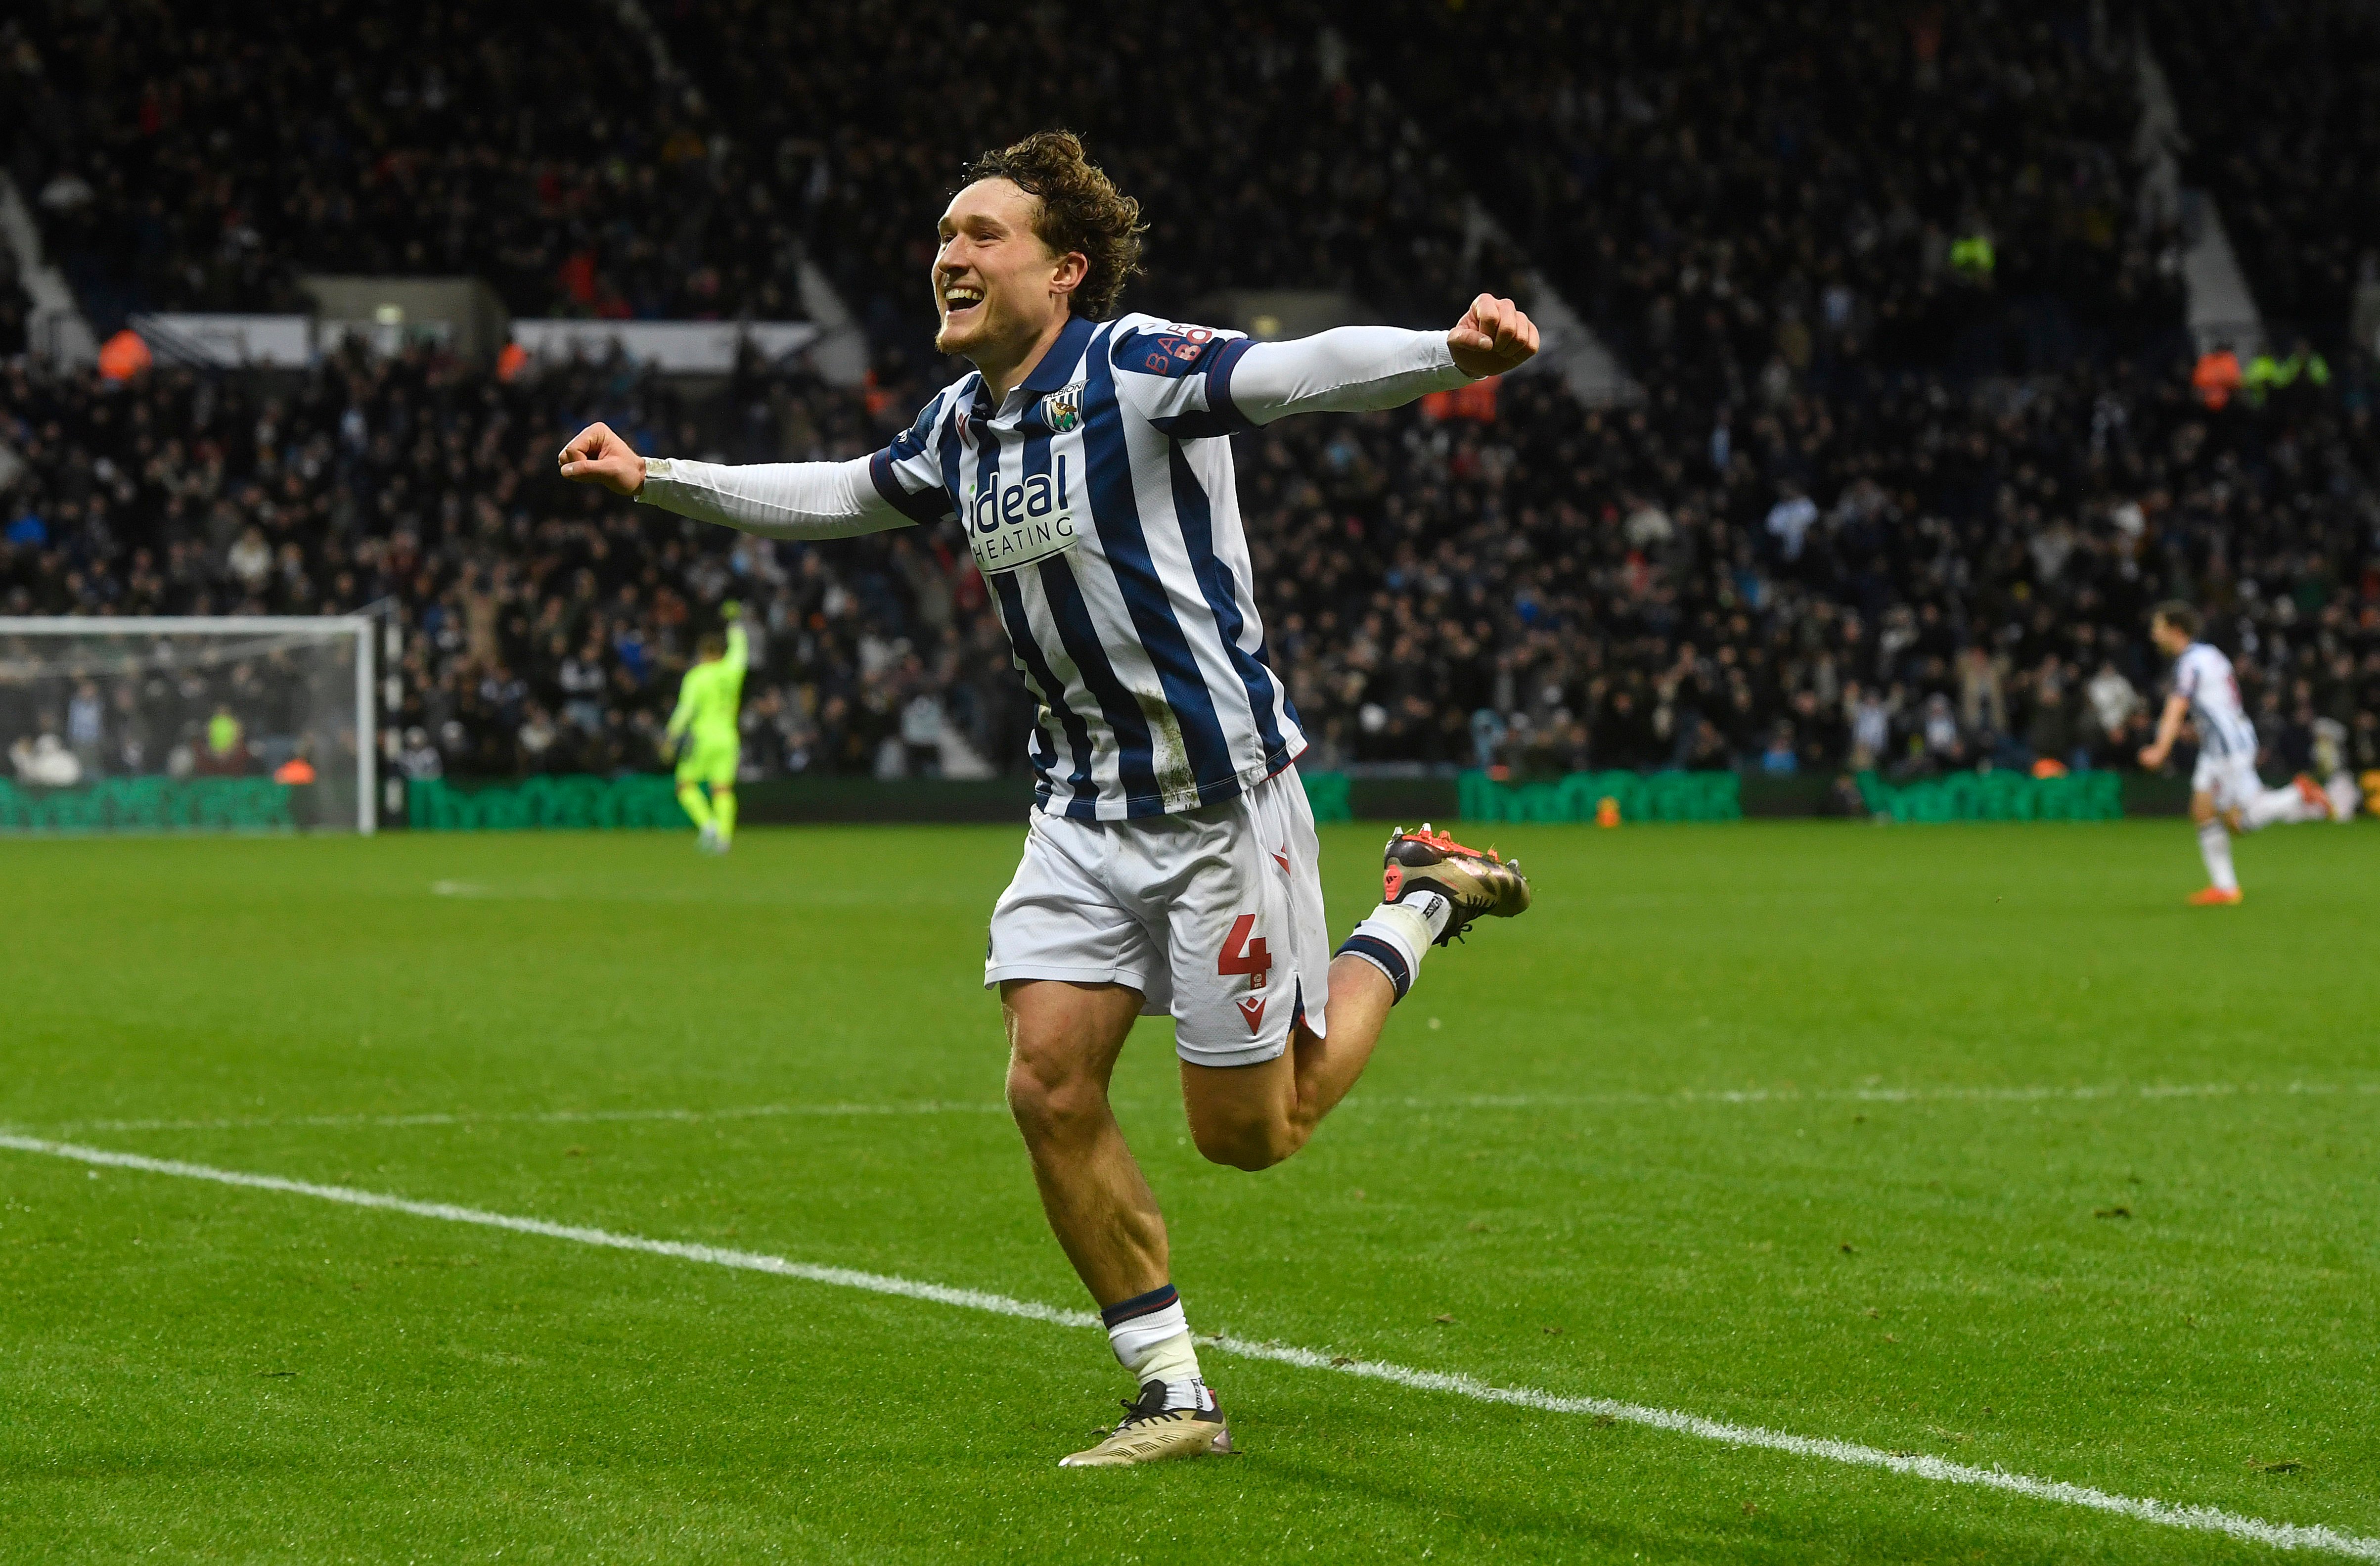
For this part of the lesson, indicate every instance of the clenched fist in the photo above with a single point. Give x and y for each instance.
(1492, 337)
(597, 456)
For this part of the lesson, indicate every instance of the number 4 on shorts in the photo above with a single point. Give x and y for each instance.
(1242, 955)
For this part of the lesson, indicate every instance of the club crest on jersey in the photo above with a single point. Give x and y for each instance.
(1063, 410)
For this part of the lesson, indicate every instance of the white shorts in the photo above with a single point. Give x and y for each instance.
(1214, 915)
(2231, 780)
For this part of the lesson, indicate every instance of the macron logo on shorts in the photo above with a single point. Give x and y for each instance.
(1253, 1010)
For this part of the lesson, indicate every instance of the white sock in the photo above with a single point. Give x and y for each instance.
(2345, 797)
(2214, 848)
(1435, 909)
(1394, 936)
(2286, 805)
(1151, 1339)
(1185, 1387)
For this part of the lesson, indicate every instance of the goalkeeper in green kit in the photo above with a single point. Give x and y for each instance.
(702, 733)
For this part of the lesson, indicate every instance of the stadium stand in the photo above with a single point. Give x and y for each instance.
(1890, 499)
(1735, 190)
(1259, 162)
(201, 156)
(16, 308)
(545, 625)
(2283, 104)
(1537, 589)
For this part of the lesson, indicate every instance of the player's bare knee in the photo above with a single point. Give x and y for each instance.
(1245, 1144)
(1051, 1102)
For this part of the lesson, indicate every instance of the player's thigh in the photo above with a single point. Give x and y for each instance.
(1064, 1039)
(2229, 783)
(1243, 1115)
(703, 764)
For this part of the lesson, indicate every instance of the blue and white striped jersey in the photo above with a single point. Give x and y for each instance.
(2203, 677)
(1098, 500)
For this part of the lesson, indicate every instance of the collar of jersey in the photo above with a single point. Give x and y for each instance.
(1057, 366)
(1055, 369)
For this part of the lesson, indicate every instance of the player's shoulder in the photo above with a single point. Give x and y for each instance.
(1152, 345)
(930, 416)
(958, 393)
(2201, 667)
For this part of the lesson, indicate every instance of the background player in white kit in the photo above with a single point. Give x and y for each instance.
(1170, 862)
(2226, 795)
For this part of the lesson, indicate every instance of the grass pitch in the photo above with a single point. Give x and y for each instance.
(1964, 1140)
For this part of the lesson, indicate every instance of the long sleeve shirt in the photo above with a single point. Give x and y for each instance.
(1099, 501)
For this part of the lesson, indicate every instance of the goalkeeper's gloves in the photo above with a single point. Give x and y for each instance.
(731, 611)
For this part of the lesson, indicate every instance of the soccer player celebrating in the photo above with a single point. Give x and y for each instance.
(2226, 795)
(702, 733)
(1170, 861)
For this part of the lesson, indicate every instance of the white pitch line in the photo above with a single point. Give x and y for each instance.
(543, 1117)
(714, 1255)
(2201, 1519)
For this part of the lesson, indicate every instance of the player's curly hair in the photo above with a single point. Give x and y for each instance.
(1081, 210)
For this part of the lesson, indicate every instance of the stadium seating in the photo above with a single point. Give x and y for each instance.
(1259, 162)
(2283, 106)
(1613, 597)
(1731, 187)
(1835, 531)
(201, 156)
(1543, 590)
(16, 308)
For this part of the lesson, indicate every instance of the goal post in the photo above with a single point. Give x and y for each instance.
(189, 723)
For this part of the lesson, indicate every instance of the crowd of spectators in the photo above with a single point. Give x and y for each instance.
(204, 706)
(1914, 579)
(2282, 106)
(1719, 184)
(202, 155)
(545, 624)
(1740, 189)
(1917, 447)
(1259, 160)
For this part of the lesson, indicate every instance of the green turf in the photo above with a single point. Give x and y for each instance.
(1545, 1140)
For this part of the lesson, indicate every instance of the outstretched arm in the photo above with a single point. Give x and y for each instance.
(682, 716)
(776, 499)
(2177, 707)
(1362, 369)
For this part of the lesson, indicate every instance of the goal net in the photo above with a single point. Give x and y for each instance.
(186, 724)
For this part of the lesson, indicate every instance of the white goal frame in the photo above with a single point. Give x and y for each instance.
(363, 628)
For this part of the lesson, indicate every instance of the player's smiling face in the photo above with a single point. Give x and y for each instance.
(997, 284)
